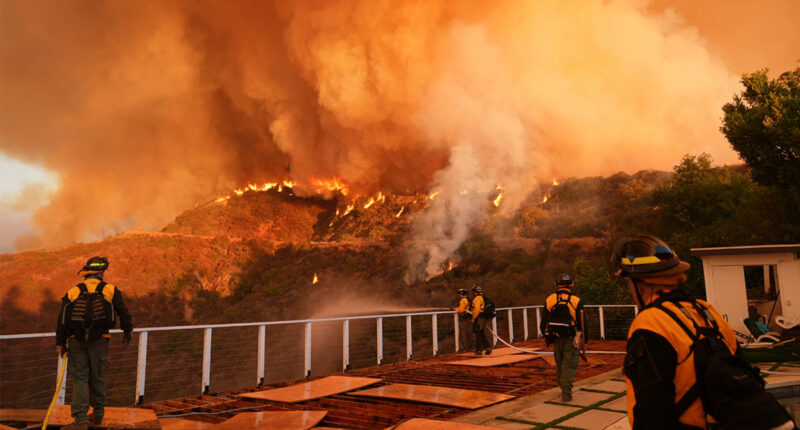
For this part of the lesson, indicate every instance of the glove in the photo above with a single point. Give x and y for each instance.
(126, 338)
(577, 341)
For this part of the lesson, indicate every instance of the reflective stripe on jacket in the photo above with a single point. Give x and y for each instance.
(655, 320)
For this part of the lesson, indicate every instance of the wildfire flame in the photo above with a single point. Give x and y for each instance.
(333, 184)
(369, 203)
(400, 213)
(316, 279)
(545, 199)
(497, 200)
(348, 209)
(433, 195)
(555, 182)
(450, 266)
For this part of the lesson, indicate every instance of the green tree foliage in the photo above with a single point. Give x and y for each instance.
(763, 126)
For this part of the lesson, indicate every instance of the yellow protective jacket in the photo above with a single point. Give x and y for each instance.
(574, 304)
(477, 306)
(463, 306)
(659, 363)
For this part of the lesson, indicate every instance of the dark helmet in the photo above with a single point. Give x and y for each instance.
(95, 264)
(477, 289)
(645, 257)
(462, 291)
(564, 279)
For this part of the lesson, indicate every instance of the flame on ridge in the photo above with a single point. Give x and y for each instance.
(315, 280)
(450, 266)
(401, 212)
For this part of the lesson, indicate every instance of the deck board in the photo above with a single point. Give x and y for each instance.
(467, 399)
(312, 390)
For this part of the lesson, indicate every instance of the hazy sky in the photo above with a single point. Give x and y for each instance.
(151, 106)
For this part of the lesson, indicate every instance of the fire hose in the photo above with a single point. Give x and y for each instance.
(528, 351)
(58, 388)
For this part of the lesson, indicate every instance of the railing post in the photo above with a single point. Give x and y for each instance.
(510, 327)
(380, 339)
(62, 392)
(525, 324)
(262, 353)
(635, 310)
(455, 331)
(435, 335)
(307, 360)
(141, 368)
(538, 322)
(409, 343)
(346, 345)
(206, 360)
(494, 332)
(602, 324)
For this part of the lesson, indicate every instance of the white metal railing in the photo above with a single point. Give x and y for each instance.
(308, 323)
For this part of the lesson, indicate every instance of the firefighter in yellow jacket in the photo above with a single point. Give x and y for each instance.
(464, 321)
(662, 388)
(562, 324)
(479, 322)
(88, 311)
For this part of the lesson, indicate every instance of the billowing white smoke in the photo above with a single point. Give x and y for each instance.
(145, 109)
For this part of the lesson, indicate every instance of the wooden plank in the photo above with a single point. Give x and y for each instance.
(182, 424)
(121, 418)
(467, 399)
(495, 361)
(426, 424)
(312, 390)
(291, 420)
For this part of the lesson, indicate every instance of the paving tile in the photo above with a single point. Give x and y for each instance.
(583, 398)
(775, 381)
(508, 425)
(273, 420)
(622, 424)
(593, 420)
(620, 404)
(614, 386)
(543, 413)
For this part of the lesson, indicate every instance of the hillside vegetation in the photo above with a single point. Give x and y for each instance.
(253, 257)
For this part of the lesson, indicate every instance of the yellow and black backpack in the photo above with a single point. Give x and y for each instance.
(90, 315)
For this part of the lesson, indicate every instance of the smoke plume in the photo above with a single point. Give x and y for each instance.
(145, 109)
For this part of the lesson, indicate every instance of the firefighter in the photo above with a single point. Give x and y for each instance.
(464, 321)
(662, 387)
(479, 322)
(562, 324)
(88, 311)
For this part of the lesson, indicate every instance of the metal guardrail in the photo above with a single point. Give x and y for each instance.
(308, 324)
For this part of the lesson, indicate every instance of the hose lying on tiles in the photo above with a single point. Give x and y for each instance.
(58, 389)
(546, 352)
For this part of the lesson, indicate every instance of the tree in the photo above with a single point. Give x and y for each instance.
(763, 126)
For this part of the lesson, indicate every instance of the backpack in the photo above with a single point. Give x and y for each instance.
(488, 308)
(560, 321)
(90, 315)
(731, 389)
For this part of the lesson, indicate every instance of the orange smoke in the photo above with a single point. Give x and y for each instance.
(145, 109)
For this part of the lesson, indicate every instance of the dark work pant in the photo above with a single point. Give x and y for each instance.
(465, 333)
(566, 357)
(87, 368)
(479, 328)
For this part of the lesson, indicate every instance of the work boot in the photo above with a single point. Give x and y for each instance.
(478, 352)
(489, 351)
(76, 426)
(95, 419)
(566, 397)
